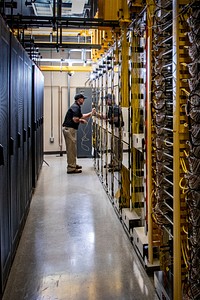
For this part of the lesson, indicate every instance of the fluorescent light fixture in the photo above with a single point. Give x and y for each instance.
(42, 9)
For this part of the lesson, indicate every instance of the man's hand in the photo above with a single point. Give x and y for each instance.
(79, 120)
(83, 121)
(76, 119)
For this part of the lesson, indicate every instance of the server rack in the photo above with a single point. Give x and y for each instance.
(106, 82)
(162, 166)
(193, 158)
(15, 120)
(17, 158)
(168, 145)
(37, 122)
(28, 126)
(5, 246)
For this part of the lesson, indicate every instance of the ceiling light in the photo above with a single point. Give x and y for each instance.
(42, 9)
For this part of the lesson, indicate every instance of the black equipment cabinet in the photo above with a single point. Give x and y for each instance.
(21, 142)
(27, 130)
(37, 120)
(5, 148)
(15, 133)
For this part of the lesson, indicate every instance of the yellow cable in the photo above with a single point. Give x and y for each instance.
(186, 153)
(182, 187)
(184, 230)
(183, 165)
(184, 255)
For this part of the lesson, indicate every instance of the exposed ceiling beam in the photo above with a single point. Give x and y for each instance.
(66, 61)
(23, 22)
(66, 45)
(48, 31)
(66, 68)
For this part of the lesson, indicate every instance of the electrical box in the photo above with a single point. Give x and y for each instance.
(130, 218)
(138, 141)
(140, 240)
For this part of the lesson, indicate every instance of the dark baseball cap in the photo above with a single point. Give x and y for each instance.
(78, 96)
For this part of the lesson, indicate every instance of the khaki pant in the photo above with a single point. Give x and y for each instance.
(70, 135)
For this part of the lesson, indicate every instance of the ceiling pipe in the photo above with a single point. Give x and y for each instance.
(35, 21)
(54, 15)
(57, 39)
(60, 34)
(67, 45)
(59, 8)
(59, 15)
(54, 9)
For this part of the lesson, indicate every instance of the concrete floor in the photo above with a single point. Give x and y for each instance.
(73, 245)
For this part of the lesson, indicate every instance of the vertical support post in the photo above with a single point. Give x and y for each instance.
(149, 156)
(52, 107)
(149, 134)
(59, 8)
(176, 154)
(54, 9)
(68, 88)
(60, 119)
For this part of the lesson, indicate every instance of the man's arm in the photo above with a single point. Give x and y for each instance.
(91, 113)
(84, 117)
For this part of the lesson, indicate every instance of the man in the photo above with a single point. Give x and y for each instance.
(115, 118)
(70, 125)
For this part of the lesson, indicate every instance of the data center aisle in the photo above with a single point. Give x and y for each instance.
(73, 246)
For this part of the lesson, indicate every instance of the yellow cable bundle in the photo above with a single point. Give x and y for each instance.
(124, 71)
(183, 165)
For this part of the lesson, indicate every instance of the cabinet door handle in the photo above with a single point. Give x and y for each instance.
(34, 126)
(24, 133)
(19, 140)
(11, 146)
(1, 156)
(29, 131)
